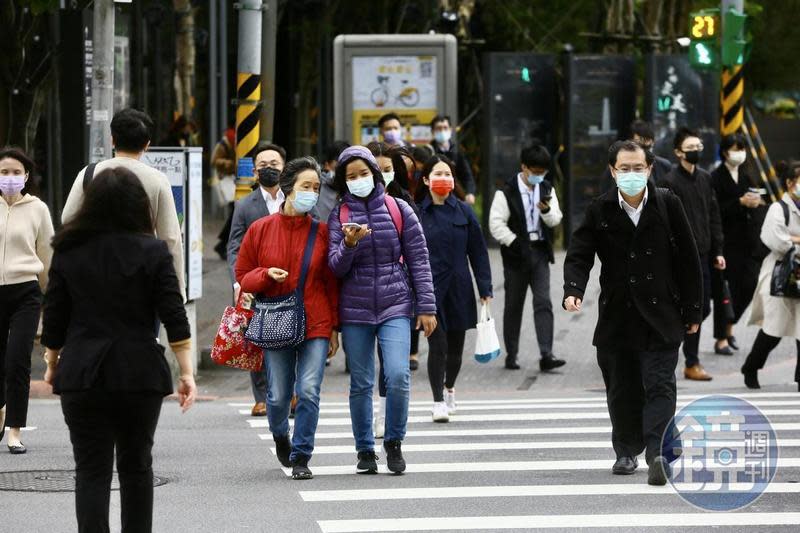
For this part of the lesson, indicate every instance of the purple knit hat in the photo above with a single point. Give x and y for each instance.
(361, 152)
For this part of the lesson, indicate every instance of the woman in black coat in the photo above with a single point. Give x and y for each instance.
(455, 242)
(110, 280)
(742, 211)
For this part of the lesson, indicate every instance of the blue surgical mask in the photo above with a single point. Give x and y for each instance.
(304, 201)
(361, 187)
(388, 177)
(442, 136)
(631, 183)
(535, 179)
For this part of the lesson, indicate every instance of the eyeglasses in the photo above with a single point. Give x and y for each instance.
(692, 148)
(625, 169)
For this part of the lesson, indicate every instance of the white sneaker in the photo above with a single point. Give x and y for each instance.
(450, 400)
(440, 412)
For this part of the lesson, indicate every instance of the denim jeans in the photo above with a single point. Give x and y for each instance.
(358, 340)
(307, 363)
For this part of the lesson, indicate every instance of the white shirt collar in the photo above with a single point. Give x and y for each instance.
(524, 188)
(633, 212)
(268, 197)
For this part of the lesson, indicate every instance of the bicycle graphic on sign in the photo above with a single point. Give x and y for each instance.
(408, 97)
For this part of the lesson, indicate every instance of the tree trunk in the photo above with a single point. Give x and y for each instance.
(185, 57)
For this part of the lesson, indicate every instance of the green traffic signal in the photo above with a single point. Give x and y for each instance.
(735, 46)
(525, 74)
(703, 55)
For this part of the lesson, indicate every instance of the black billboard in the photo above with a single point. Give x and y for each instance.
(600, 105)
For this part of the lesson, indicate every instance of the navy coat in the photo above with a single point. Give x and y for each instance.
(455, 241)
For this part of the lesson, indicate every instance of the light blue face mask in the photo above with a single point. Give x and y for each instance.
(361, 187)
(304, 201)
(535, 179)
(388, 177)
(631, 183)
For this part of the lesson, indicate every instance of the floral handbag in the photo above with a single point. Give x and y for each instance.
(230, 347)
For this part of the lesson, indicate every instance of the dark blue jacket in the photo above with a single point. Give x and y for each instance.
(454, 236)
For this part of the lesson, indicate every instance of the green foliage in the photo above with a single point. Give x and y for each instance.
(39, 7)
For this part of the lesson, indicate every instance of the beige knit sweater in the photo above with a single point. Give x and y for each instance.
(26, 230)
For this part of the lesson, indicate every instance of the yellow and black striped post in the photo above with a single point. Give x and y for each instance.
(732, 100)
(248, 111)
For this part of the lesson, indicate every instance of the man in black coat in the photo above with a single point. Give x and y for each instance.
(444, 144)
(651, 288)
(694, 187)
(642, 134)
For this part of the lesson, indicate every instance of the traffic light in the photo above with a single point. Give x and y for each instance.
(704, 30)
(525, 74)
(735, 46)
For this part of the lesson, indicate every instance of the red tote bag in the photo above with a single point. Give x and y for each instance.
(230, 347)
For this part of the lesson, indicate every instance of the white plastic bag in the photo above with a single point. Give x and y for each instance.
(487, 345)
(227, 190)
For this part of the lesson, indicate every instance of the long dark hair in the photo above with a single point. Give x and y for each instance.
(115, 202)
(18, 154)
(423, 190)
(401, 170)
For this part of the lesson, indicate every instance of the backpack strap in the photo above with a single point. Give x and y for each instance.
(785, 212)
(663, 212)
(88, 174)
(344, 213)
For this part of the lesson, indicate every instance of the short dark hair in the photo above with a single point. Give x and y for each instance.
(115, 201)
(643, 129)
(333, 150)
(681, 135)
(628, 146)
(17, 153)
(787, 171)
(423, 190)
(441, 118)
(734, 140)
(379, 149)
(293, 169)
(535, 156)
(131, 130)
(421, 153)
(264, 146)
(387, 117)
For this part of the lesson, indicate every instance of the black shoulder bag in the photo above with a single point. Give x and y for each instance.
(783, 283)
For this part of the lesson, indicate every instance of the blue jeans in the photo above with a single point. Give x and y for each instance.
(307, 363)
(358, 340)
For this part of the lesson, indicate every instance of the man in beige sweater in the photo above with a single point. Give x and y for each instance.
(130, 134)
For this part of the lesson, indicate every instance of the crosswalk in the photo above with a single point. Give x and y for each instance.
(523, 464)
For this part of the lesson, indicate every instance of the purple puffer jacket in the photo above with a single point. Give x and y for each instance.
(375, 286)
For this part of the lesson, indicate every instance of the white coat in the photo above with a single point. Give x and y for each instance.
(778, 317)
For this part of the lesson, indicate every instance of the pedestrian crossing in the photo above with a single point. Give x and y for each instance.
(523, 464)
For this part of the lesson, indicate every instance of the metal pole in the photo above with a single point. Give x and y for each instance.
(213, 79)
(224, 101)
(732, 97)
(102, 80)
(268, 46)
(248, 91)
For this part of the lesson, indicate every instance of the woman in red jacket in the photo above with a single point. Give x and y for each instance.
(269, 263)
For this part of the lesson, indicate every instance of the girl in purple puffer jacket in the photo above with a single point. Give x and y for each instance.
(377, 248)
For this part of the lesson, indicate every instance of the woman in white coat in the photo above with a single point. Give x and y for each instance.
(777, 316)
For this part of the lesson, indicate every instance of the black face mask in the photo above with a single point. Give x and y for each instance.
(268, 176)
(692, 157)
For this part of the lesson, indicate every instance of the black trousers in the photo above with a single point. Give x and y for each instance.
(691, 343)
(101, 422)
(641, 396)
(763, 345)
(445, 349)
(20, 305)
(741, 271)
(536, 276)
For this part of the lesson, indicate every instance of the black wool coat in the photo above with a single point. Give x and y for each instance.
(650, 280)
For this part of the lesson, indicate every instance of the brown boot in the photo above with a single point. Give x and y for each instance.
(259, 409)
(696, 373)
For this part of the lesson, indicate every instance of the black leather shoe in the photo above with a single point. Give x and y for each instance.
(511, 363)
(550, 362)
(221, 250)
(413, 363)
(283, 449)
(723, 351)
(659, 472)
(751, 378)
(625, 466)
(17, 450)
(732, 342)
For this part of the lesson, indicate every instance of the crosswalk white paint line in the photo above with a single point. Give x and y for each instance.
(512, 466)
(543, 445)
(508, 417)
(518, 491)
(467, 523)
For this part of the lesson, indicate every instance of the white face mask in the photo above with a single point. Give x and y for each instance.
(737, 157)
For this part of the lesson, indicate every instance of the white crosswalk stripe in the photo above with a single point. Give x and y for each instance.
(523, 450)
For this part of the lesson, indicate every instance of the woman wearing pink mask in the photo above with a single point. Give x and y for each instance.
(25, 254)
(455, 241)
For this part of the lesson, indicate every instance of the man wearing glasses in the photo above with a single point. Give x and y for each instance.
(694, 187)
(650, 291)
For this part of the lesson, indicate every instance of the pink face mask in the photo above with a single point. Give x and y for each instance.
(12, 185)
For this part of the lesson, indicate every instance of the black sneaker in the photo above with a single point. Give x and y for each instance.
(394, 457)
(300, 468)
(283, 449)
(550, 362)
(367, 463)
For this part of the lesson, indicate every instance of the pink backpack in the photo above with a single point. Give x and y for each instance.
(394, 212)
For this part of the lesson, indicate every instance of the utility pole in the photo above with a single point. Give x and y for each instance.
(248, 92)
(732, 98)
(268, 46)
(102, 81)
